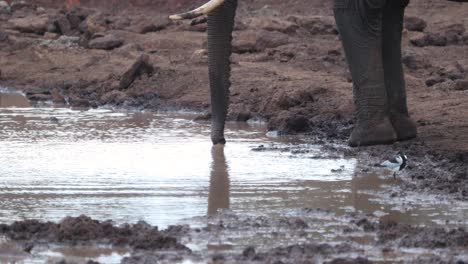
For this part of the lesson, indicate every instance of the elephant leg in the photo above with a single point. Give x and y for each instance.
(360, 25)
(220, 26)
(393, 14)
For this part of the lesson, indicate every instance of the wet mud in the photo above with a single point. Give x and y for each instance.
(84, 230)
(358, 239)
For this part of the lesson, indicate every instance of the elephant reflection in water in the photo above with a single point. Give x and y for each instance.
(218, 197)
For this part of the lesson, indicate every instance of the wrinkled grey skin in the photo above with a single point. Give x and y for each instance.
(371, 35)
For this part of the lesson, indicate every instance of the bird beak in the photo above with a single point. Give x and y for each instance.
(202, 10)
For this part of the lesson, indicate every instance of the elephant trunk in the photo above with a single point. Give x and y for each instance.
(220, 27)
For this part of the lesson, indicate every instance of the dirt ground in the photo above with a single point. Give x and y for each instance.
(288, 69)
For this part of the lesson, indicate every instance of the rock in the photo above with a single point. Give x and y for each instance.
(239, 25)
(461, 85)
(73, 19)
(31, 24)
(132, 47)
(200, 56)
(358, 260)
(415, 24)
(253, 41)
(414, 62)
(245, 42)
(156, 24)
(20, 4)
(3, 36)
(114, 97)
(241, 116)
(410, 62)
(289, 122)
(78, 102)
(93, 24)
(453, 72)
(273, 25)
(454, 34)
(50, 35)
(270, 39)
(52, 27)
(107, 42)
(429, 39)
(140, 66)
(445, 86)
(63, 25)
(38, 96)
(316, 25)
(57, 97)
(434, 80)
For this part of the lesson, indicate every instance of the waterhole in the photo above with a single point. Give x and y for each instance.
(161, 168)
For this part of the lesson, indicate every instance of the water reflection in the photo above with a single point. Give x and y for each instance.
(115, 165)
(218, 197)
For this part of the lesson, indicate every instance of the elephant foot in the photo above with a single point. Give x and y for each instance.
(366, 134)
(405, 128)
(218, 140)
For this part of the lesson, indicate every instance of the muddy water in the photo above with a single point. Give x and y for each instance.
(161, 168)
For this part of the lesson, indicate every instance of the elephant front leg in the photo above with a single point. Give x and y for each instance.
(220, 27)
(360, 25)
(393, 14)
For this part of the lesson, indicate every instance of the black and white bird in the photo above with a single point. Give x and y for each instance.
(395, 164)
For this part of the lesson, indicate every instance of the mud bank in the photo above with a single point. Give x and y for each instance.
(363, 240)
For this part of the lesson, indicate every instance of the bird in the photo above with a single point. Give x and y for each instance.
(398, 163)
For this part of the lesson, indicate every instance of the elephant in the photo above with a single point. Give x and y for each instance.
(371, 33)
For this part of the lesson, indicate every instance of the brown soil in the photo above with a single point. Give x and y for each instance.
(288, 69)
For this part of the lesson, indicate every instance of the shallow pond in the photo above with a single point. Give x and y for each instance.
(162, 168)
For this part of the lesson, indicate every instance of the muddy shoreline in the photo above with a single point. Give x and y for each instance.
(387, 242)
(288, 69)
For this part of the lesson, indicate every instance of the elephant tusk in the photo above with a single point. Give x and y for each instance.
(202, 10)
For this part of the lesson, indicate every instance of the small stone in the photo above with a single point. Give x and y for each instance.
(461, 85)
(316, 25)
(430, 39)
(140, 66)
(454, 34)
(114, 97)
(50, 35)
(415, 24)
(270, 39)
(249, 252)
(434, 80)
(410, 62)
(63, 25)
(3, 36)
(107, 42)
(274, 25)
(156, 24)
(31, 24)
(39, 97)
(19, 4)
